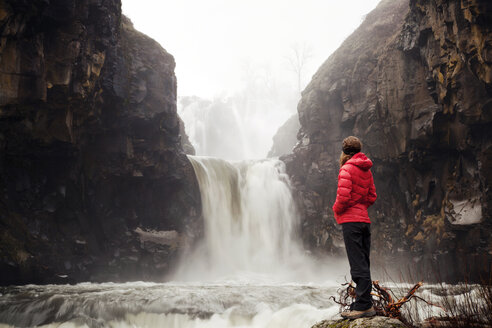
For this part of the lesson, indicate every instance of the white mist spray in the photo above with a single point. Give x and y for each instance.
(251, 223)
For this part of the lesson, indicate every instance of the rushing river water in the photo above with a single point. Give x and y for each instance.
(226, 304)
(249, 270)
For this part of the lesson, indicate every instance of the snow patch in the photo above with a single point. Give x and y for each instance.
(465, 212)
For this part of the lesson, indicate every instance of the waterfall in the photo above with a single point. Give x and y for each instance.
(250, 220)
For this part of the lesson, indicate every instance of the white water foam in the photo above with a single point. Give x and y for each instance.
(193, 305)
(166, 305)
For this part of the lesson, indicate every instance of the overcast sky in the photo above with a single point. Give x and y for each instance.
(212, 39)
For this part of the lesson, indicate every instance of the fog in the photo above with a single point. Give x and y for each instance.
(241, 65)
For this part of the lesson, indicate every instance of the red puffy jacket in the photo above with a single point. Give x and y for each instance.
(356, 190)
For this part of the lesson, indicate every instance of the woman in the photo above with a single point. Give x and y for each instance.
(355, 193)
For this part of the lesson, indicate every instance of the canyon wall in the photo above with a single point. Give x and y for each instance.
(285, 139)
(414, 83)
(94, 182)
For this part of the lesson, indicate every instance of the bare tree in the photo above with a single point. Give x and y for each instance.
(299, 56)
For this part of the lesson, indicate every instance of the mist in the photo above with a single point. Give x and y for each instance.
(241, 65)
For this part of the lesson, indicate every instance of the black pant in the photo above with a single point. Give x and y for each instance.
(357, 238)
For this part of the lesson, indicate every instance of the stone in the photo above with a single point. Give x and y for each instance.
(374, 322)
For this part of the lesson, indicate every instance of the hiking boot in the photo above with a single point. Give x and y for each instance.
(354, 314)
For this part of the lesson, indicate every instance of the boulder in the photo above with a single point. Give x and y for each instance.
(374, 322)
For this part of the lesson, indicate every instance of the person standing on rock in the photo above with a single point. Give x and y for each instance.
(355, 193)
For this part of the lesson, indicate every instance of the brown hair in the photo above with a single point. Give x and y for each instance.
(350, 146)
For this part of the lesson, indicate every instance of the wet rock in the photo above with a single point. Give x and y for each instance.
(374, 322)
(414, 84)
(91, 145)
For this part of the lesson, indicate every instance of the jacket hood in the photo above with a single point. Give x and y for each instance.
(360, 160)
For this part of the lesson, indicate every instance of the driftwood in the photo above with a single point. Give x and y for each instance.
(384, 302)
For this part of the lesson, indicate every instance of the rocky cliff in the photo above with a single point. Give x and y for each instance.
(94, 183)
(414, 83)
(286, 137)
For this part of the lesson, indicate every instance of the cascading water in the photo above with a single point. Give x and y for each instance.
(249, 270)
(250, 220)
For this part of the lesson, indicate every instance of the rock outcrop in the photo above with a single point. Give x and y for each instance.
(414, 83)
(286, 137)
(374, 322)
(94, 183)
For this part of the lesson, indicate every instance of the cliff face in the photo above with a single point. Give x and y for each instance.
(94, 183)
(414, 83)
(286, 137)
